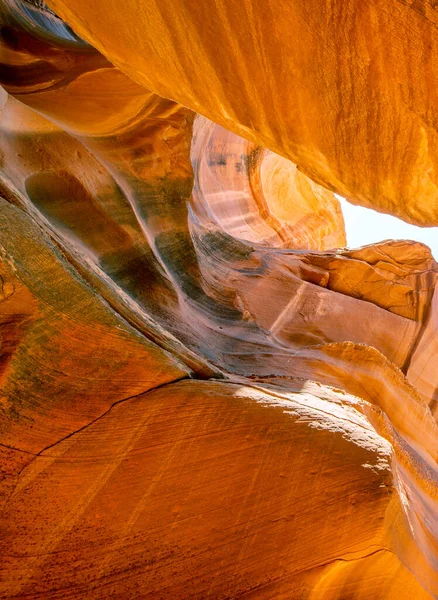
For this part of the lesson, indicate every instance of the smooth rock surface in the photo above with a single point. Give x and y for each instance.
(346, 90)
(206, 489)
(203, 393)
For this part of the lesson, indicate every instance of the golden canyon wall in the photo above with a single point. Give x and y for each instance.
(203, 393)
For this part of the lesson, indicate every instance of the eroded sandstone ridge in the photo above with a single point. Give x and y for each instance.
(203, 393)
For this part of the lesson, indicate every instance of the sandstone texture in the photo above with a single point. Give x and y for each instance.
(204, 393)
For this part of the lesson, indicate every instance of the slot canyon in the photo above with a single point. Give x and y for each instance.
(204, 393)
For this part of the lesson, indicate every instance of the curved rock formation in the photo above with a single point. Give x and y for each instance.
(346, 90)
(257, 196)
(203, 393)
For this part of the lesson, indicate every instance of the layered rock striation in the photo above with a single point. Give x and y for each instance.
(204, 394)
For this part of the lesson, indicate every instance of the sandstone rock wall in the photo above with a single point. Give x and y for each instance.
(204, 394)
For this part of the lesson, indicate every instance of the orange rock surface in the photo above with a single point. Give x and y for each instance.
(346, 90)
(203, 393)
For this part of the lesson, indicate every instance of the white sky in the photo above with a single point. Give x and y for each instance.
(365, 226)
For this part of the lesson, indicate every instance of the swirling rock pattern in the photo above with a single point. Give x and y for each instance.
(204, 394)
